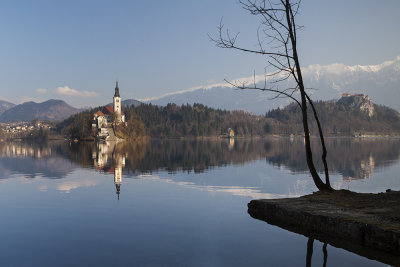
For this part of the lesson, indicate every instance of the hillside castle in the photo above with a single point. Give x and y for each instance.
(358, 101)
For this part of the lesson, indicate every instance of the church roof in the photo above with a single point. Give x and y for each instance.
(99, 113)
(109, 169)
(106, 169)
(109, 110)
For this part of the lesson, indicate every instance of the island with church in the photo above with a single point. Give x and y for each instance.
(351, 115)
(112, 122)
(106, 120)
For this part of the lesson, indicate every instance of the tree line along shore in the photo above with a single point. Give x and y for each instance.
(198, 120)
(173, 121)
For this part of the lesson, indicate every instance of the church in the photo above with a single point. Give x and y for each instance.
(110, 114)
(104, 119)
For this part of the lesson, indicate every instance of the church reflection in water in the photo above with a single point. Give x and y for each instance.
(106, 158)
(352, 159)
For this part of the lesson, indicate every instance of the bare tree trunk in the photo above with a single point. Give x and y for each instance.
(278, 26)
(314, 174)
(322, 139)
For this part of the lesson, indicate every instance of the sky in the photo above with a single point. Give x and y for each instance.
(76, 50)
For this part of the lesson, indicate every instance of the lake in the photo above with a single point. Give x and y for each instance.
(172, 202)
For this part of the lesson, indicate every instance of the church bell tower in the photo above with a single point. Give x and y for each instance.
(117, 103)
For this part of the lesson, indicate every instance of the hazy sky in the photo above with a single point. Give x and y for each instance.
(75, 50)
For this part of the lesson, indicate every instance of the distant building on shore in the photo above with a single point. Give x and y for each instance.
(230, 133)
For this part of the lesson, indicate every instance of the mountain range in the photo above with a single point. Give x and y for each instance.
(4, 105)
(381, 82)
(51, 110)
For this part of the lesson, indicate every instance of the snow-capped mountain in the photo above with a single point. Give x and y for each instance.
(381, 82)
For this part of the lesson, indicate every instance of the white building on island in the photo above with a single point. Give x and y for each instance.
(109, 115)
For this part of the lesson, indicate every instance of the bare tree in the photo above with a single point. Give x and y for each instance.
(277, 41)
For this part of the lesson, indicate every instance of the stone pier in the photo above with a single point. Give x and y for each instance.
(366, 224)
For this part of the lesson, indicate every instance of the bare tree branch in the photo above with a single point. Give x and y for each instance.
(244, 87)
(279, 30)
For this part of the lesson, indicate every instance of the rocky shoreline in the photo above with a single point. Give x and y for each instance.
(366, 224)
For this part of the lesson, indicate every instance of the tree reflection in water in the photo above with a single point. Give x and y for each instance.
(352, 158)
(325, 251)
(349, 157)
(310, 248)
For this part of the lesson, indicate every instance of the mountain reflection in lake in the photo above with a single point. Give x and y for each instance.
(351, 158)
(171, 202)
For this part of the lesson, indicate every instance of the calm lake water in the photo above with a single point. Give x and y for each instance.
(171, 203)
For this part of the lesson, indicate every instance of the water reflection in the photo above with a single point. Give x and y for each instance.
(224, 174)
(353, 159)
(325, 239)
(310, 248)
(34, 160)
(106, 158)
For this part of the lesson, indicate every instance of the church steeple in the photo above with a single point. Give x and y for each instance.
(120, 117)
(118, 187)
(117, 102)
(116, 90)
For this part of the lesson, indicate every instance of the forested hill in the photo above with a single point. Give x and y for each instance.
(347, 116)
(198, 120)
(350, 115)
(174, 121)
